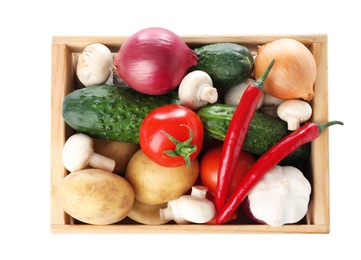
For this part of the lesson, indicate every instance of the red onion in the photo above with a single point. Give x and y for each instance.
(154, 61)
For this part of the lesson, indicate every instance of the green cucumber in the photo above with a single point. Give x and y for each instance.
(264, 131)
(228, 64)
(111, 112)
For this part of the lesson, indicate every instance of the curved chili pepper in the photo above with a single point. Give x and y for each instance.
(273, 156)
(235, 136)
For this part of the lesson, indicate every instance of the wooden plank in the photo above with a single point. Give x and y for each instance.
(60, 82)
(189, 229)
(320, 147)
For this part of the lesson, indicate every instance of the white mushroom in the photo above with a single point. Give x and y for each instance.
(78, 153)
(270, 104)
(171, 213)
(294, 112)
(94, 64)
(270, 100)
(196, 90)
(234, 94)
(194, 208)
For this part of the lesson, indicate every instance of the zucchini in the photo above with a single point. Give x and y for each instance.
(111, 112)
(228, 64)
(264, 131)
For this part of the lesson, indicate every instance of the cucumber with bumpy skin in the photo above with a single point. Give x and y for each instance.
(228, 64)
(264, 131)
(111, 112)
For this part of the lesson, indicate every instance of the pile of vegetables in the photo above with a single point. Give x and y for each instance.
(166, 133)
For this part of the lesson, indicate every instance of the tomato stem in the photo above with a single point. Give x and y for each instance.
(184, 149)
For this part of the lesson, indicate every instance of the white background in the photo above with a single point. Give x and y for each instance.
(25, 82)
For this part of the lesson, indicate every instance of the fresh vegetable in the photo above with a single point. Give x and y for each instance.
(294, 112)
(111, 113)
(156, 184)
(195, 208)
(171, 135)
(228, 64)
(280, 197)
(213, 221)
(236, 135)
(78, 153)
(147, 214)
(233, 95)
(94, 64)
(263, 132)
(294, 74)
(271, 101)
(270, 104)
(209, 165)
(272, 157)
(118, 151)
(171, 212)
(196, 90)
(154, 61)
(96, 196)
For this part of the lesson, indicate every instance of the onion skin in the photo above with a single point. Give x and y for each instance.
(154, 60)
(294, 72)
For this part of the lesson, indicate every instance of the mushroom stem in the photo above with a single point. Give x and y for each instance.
(294, 112)
(196, 90)
(199, 192)
(207, 93)
(78, 153)
(99, 161)
(194, 208)
(171, 213)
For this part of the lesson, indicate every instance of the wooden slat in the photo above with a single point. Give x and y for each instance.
(60, 82)
(189, 229)
(320, 147)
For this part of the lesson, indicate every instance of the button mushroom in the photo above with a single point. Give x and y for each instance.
(94, 64)
(234, 94)
(270, 104)
(196, 90)
(294, 112)
(194, 208)
(78, 153)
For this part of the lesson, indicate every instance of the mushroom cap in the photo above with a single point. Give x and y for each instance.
(294, 108)
(77, 151)
(195, 209)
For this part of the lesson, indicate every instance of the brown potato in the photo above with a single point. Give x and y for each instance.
(118, 151)
(155, 184)
(146, 213)
(96, 196)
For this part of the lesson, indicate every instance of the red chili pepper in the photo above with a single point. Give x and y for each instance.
(235, 136)
(272, 157)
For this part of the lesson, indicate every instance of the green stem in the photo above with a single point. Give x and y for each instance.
(259, 83)
(322, 126)
(184, 149)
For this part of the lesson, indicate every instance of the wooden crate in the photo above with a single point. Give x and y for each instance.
(317, 220)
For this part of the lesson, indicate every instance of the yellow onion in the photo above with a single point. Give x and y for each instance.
(294, 72)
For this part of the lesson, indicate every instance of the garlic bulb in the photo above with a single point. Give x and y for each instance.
(294, 72)
(281, 197)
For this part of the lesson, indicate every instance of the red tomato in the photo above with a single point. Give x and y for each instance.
(167, 122)
(210, 163)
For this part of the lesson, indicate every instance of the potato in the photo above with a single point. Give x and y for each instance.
(118, 151)
(96, 196)
(155, 184)
(146, 213)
